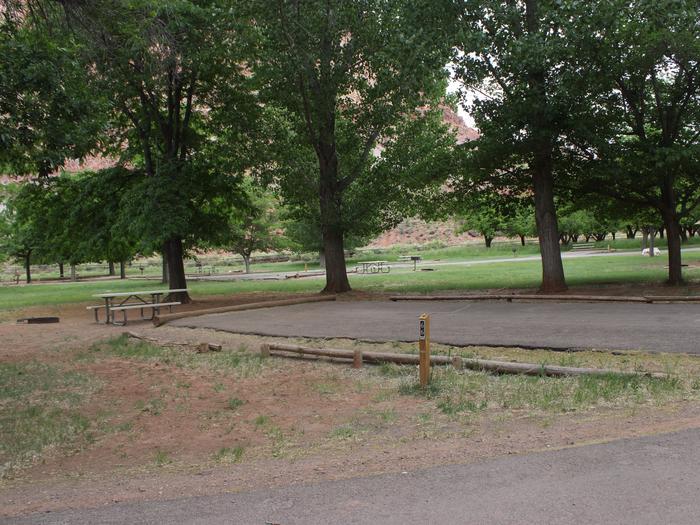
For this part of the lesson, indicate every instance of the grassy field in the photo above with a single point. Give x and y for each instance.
(232, 264)
(150, 267)
(505, 275)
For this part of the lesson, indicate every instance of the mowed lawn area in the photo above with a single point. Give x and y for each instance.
(506, 275)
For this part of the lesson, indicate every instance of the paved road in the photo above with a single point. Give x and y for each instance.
(616, 326)
(649, 480)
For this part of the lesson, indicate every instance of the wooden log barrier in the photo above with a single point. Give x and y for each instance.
(357, 359)
(562, 298)
(524, 297)
(499, 367)
(159, 320)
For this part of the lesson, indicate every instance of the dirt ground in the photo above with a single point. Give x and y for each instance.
(164, 428)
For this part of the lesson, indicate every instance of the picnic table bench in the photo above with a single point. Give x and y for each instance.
(582, 246)
(415, 258)
(373, 267)
(138, 300)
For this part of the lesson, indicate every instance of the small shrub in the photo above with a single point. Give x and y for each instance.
(162, 458)
(229, 455)
(234, 403)
(261, 421)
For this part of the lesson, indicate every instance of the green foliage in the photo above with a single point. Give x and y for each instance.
(351, 77)
(48, 111)
(255, 227)
(641, 68)
(491, 212)
(181, 106)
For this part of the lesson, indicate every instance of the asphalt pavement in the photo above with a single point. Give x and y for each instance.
(650, 480)
(605, 326)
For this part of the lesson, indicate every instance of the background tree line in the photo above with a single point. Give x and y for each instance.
(217, 113)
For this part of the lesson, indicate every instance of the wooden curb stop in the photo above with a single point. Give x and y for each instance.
(561, 298)
(159, 320)
(358, 357)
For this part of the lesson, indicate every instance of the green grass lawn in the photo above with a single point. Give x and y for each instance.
(505, 275)
(471, 251)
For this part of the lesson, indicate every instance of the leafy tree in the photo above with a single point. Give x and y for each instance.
(516, 55)
(484, 216)
(169, 69)
(520, 221)
(256, 227)
(47, 112)
(88, 219)
(22, 231)
(351, 75)
(641, 63)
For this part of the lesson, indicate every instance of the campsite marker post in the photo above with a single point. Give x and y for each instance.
(424, 349)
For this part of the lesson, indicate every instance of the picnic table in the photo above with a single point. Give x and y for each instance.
(415, 258)
(373, 267)
(124, 301)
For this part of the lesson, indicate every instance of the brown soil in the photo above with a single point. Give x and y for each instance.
(285, 425)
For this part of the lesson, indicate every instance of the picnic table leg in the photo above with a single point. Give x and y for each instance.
(117, 323)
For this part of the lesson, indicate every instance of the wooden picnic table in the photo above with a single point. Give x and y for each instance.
(373, 267)
(139, 297)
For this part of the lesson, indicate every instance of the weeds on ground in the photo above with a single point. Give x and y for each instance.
(40, 412)
(365, 422)
(234, 403)
(461, 392)
(240, 361)
(162, 458)
(229, 455)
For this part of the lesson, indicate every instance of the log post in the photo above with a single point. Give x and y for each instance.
(264, 350)
(424, 350)
(357, 359)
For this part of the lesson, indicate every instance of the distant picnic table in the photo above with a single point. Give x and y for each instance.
(373, 267)
(138, 300)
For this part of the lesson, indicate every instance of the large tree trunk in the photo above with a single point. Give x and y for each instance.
(675, 274)
(488, 240)
(542, 165)
(111, 268)
(336, 273)
(28, 266)
(548, 232)
(176, 269)
(645, 238)
(122, 270)
(522, 240)
(246, 262)
(630, 232)
(73, 272)
(331, 223)
(60, 270)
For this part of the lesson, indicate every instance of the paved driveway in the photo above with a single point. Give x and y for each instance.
(611, 326)
(651, 480)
